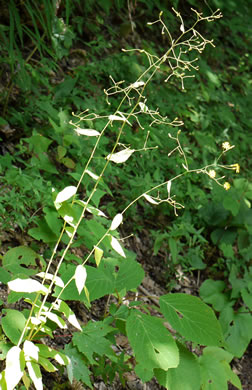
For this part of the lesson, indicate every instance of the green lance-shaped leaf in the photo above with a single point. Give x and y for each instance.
(91, 174)
(80, 277)
(15, 364)
(47, 352)
(55, 318)
(121, 156)
(46, 364)
(65, 194)
(62, 307)
(152, 343)
(118, 118)
(98, 253)
(27, 285)
(57, 280)
(169, 188)
(35, 375)
(149, 199)
(91, 209)
(67, 212)
(116, 222)
(192, 318)
(69, 231)
(143, 107)
(116, 246)
(87, 132)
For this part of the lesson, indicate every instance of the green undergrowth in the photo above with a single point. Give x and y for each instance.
(58, 61)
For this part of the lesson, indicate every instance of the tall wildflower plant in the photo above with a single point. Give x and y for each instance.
(159, 349)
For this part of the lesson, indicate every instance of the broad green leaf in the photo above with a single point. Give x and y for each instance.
(116, 222)
(149, 199)
(35, 375)
(121, 157)
(13, 324)
(192, 318)
(146, 374)
(77, 369)
(231, 204)
(100, 282)
(52, 219)
(226, 317)
(4, 348)
(184, 377)
(130, 275)
(15, 365)
(152, 343)
(30, 350)
(5, 276)
(116, 246)
(247, 297)
(239, 334)
(68, 162)
(98, 253)
(80, 277)
(65, 194)
(92, 341)
(39, 143)
(57, 280)
(27, 285)
(22, 260)
(211, 292)
(43, 232)
(215, 374)
(61, 151)
(87, 132)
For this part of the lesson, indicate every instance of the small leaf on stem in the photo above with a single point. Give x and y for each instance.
(80, 277)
